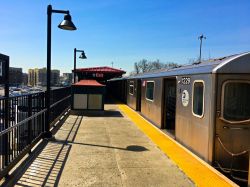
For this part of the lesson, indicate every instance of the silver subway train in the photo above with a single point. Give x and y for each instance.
(204, 106)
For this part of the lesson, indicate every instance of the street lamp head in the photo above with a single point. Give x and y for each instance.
(67, 24)
(82, 56)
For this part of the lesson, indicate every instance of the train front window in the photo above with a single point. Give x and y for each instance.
(198, 98)
(131, 87)
(150, 90)
(236, 101)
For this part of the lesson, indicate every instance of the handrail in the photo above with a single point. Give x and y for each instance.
(27, 94)
(21, 95)
(230, 170)
(229, 152)
(31, 117)
(235, 122)
(236, 128)
(22, 122)
(23, 117)
(56, 103)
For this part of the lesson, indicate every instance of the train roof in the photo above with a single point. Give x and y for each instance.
(238, 63)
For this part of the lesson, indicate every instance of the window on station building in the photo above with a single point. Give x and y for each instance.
(150, 90)
(198, 98)
(131, 87)
(236, 106)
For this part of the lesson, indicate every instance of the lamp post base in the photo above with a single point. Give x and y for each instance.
(48, 135)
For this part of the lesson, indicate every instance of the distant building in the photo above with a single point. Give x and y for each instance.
(41, 77)
(32, 77)
(25, 79)
(15, 76)
(38, 77)
(66, 78)
(55, 77)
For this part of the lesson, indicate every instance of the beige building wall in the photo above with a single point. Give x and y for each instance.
(38, 77)
(31, 77)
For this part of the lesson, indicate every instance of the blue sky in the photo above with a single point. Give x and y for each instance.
(123, 31)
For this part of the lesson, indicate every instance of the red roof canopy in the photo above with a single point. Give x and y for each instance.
(104, 69)
(88, 83)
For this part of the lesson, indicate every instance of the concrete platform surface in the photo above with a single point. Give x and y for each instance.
(98, 151)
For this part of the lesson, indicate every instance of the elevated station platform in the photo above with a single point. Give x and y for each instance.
(117, 148)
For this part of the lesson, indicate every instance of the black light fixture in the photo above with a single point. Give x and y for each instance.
(66, 24)
(82, 56)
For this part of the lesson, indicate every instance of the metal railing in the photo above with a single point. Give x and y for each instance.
(60, 101)
(22, 123)
(243, 174)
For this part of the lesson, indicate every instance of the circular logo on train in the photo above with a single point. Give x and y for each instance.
(185, 98)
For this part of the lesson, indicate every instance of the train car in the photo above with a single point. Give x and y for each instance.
(118, 88)
(204, 106)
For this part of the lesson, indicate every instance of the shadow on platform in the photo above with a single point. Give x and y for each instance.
(46, 163)
(110, 100)
(134, 148)
(105, 113)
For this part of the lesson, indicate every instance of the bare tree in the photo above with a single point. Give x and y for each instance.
(171, 65)
(137, 69)
(156, 65)
(144, 66)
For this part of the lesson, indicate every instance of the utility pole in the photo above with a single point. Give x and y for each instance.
(112, 63)
(201, 37)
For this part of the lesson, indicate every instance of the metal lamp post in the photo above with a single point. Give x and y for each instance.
(82, 56)
(66, 24)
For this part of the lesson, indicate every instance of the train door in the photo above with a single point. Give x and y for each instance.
(138, 95)
(169, 107)
(232, 135)
(124, 91)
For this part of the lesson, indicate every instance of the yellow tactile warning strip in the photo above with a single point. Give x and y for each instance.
(197, 170)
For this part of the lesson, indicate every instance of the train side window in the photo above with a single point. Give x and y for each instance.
(236, 102)
(150, 90)
(198, 99)
(131, 87)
